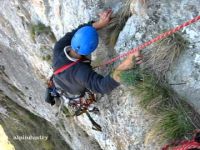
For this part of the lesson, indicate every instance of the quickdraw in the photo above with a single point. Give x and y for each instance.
(81, 106)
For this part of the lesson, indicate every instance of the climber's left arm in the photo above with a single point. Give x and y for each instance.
(104, 19)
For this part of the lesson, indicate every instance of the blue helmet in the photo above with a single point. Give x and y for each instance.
(85, 40)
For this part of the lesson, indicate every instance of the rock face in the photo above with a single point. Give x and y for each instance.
(20, 125)
(23, 70)
(161, 16)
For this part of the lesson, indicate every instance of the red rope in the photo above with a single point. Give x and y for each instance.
(161, 36)
(185, 144)
(65, 67)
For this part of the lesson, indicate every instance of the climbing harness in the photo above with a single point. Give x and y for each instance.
(142, 46)
(82, 104)
(51, 91)
(186, 144)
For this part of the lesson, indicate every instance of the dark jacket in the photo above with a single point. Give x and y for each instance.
(81, 76)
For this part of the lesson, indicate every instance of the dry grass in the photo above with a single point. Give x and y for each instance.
(117, 23)
(164, 53)
(138, 7)
(119, 19)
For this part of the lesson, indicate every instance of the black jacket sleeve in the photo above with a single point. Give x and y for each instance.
(95, 82)
(66, 40)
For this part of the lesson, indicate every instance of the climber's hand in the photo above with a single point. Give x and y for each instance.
(105, 17)
(127, 64)
(103, 20)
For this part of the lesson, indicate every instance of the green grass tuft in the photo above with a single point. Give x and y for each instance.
(153, 96)
(131, 77)
(47, 58)
(174, 124)
(40, 28)
(174, 118)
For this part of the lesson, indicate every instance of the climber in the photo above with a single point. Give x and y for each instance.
(74, 50)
